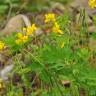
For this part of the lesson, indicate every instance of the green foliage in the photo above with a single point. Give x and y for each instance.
(50, 64)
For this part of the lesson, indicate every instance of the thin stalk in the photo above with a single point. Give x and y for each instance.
(42, 66)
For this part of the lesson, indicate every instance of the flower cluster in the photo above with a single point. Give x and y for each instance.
(92, 3)
(2, 45)
(50, 18)
(56, 27)
(21, 38)
(29, 31)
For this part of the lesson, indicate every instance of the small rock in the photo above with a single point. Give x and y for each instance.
(4, 72)
(92, 29)
(16, 24)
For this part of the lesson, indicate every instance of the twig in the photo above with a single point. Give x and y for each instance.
(23, 5)
(9, 12)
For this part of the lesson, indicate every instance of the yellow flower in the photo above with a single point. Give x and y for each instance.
(31, 29)
(24, 29)
(2, 45)
(50, 17)
(92, 3)
(56, 29)
(62, 45)
(24, 38)
(21, 38)
(0, 85)
(18, 41)
(19, 35)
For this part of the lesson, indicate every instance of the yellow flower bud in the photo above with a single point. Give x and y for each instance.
(92, 3)
(19, 35)
(24, 29)
(18, 41)
(24, 38)
(31, 29)
(50, 17)
(56, 28)
(2, 45)
(62, 45)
